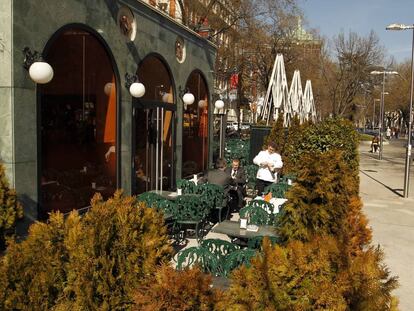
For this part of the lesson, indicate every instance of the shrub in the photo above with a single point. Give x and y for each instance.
(277, 135)
(10, 209)
(300, 276)
(33, 273)
(318, 202)
(331, 134)
(171, 290)
(117, 246)
(89, 263)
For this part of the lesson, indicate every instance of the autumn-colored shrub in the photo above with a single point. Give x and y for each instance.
(172, 290)
(277, 135)
(315, 275)
(370, 284)
(318, 202)
(119, 243)
(33, 273)
(10, 209)
(300, 276)
(89, 263)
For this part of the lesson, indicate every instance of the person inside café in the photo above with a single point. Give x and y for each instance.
(218, 176)
(269, 162)
(238, 176)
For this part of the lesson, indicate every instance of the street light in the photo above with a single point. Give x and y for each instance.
(410, 117)
(219, 105)
(373, 113)
(380, 125)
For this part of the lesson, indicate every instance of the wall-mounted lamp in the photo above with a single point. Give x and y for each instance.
(187, 97)
(108, 88)
(39, 71)
(136, 88)
(202, 104)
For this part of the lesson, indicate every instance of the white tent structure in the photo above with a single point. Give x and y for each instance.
(308, 110)
(276, 100)
(290, 102)
(295, 96)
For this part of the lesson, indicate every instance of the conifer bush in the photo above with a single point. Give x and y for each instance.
(172, 290)
(119, 244)
(33, 273)
(10, 209)
(277, 135)
(89, 263)
(300, 276)
(318, 202)
(330, 134)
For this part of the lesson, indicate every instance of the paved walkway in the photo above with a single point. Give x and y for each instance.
(390, 215)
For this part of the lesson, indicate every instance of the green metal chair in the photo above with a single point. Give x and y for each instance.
(251, 172)
(190, 211)
(151, 199)
(278, 190)
(219, 248)
(288, 178)
(256, 213)
(187, 186)
(166, 206)
(237, 258)
(213, 196)
(200, 256)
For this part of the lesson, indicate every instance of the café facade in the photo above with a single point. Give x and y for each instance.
(121, 98)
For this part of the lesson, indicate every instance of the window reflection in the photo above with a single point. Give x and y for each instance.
(195, 127)
(78, 124)
(154, 127)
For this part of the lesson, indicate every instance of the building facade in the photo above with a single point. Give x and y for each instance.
(83, 132)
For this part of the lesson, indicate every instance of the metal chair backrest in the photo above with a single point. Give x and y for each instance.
(256, 213)
(187, 186)
(219, 248)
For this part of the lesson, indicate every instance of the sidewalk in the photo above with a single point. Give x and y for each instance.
(390, 215)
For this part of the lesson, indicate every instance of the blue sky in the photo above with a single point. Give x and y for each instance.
(330, 17)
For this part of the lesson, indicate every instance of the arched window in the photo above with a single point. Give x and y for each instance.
(154, 120)
(195, 127)
(78, 117)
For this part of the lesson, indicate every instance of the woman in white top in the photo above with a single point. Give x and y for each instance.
(269, 163)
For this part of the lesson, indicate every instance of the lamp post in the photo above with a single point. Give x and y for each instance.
(410, 117)
(373, 113)
(219, 105)
(380, 124)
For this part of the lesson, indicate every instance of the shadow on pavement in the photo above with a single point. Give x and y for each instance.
(396, 191)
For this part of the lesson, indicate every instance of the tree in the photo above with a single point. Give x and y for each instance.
(355, 57)
(172, 290)
(10, 209)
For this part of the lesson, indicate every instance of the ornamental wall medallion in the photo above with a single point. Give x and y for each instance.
(180, 50)
(127, 24)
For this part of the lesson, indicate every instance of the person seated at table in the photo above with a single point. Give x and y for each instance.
(238, 176)
(218, 176)
(269, 163)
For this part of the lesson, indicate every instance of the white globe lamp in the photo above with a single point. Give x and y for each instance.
(219, 104)
(137, 89)
(41, 72)
(188, 99)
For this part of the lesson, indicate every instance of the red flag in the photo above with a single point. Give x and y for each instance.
(234, 81)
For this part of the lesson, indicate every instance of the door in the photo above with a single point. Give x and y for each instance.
(154, 147)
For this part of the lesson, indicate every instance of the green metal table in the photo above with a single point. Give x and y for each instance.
(232, 229)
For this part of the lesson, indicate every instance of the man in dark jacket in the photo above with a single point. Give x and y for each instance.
(238, 176)
(218, 175)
